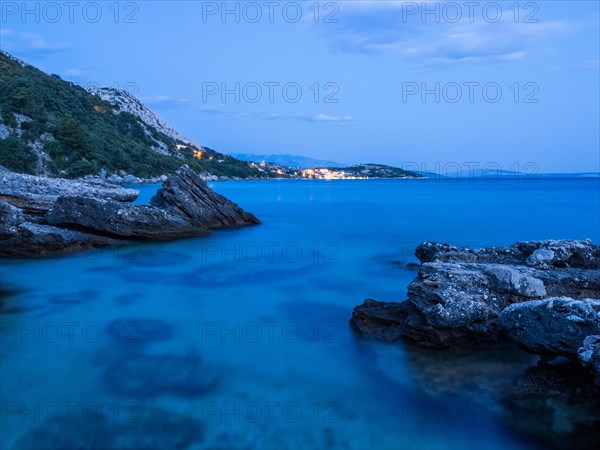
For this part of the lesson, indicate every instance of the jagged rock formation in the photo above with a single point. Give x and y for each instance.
(122, 221)
(187, 195)
(42, 216)
(463, 297)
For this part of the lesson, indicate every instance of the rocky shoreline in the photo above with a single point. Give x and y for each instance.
(48, 216)
(132, 180)
(543, 296)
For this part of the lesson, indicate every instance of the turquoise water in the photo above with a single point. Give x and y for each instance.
(241, 339)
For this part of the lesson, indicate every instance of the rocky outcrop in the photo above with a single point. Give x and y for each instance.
(471, 307)
(111, 218)
(460, 293)
(34, 239)
(43, 216)
(552, 327)
(187, 195)
(11, 218)
(36, 195)
(21, 236)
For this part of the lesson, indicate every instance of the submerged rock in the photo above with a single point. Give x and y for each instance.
(145, 375)
(122, 425)
(556, 404)
(138, 330)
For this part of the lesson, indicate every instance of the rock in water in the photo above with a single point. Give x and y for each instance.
(379, 319)
(552, 327)
(128, 425)
(34, 239)
(187, 195)
(46, 216)
(154, 375)
(460, 293)
(115, 219)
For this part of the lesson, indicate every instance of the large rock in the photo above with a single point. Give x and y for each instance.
(459, 293)
(513, 281)
(11, 218)
(186, 194)
(120, 220)
(552, 327)
(44, 240)
(44, 216)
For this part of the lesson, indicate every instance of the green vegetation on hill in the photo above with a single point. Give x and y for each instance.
(82, 134)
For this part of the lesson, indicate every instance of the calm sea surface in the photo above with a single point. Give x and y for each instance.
(241, 339)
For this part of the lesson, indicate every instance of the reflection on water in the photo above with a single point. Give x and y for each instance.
(241, 339)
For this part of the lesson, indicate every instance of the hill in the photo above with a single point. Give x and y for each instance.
(292, 161)
(361, 171)
(49, 126)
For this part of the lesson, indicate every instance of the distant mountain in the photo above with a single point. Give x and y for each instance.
(49, 126)
(360, 171)
(292, 161)
(509, 174)
(568, 175)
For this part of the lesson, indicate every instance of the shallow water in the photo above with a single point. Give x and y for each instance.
(241, 339)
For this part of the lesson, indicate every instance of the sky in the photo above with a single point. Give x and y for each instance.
(421, 85)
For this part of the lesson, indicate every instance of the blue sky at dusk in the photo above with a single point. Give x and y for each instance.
(342, 80)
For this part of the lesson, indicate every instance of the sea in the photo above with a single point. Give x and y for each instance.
(242, 339)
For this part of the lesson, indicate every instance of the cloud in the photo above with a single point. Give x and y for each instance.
(19, 42)
(324, 118)
(403, 30)
(73, 73)
(223, 110)
(165, 101)
(591, 64)
(220, 110)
